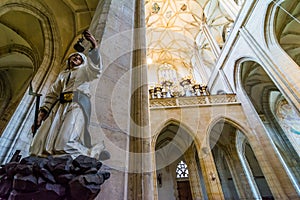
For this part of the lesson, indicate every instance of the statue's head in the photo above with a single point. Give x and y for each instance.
(76, 59)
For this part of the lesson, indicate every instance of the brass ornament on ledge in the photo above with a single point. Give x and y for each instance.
(187, 87)
(167, 89)
(157, 92)
(198, 89)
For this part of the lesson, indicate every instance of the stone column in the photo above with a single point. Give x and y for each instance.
(112, 26)
(193, 174)
(241, 167)
(222, 175)
(140, 180)
(154, 177)
(240, 180)
(210, 175)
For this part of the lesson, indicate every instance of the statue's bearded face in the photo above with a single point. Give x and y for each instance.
(75, 60)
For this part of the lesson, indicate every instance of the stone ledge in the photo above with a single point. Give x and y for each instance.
(204, 100)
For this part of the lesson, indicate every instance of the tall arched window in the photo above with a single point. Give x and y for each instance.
(182, 170)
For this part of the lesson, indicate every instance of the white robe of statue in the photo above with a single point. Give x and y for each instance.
(63, 132)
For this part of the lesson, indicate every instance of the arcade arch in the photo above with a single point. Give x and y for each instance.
(267, 100)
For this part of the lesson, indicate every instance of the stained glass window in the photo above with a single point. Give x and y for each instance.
(182, 170)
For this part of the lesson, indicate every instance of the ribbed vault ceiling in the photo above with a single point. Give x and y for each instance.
(174, 29)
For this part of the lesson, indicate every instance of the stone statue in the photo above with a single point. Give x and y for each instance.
(64, 116)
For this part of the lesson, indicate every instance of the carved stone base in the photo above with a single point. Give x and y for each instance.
(52, 178)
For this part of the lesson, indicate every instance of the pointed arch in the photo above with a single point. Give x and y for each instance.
(174, 142)
(167, 122)
(257, 86)
(45, 50)
(231, 162)
(237, 70)
(230, 121)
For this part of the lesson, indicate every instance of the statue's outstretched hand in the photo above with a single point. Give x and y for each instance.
(88, 36)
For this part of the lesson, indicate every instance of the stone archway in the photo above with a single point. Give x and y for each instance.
(264, 94)
(24, 55)
(240, 175)
(172, 146)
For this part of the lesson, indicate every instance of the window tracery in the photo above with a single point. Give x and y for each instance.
(182, 170)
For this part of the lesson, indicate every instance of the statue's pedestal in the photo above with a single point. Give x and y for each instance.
(52, 178)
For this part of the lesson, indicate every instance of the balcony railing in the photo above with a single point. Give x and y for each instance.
(204, 100)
